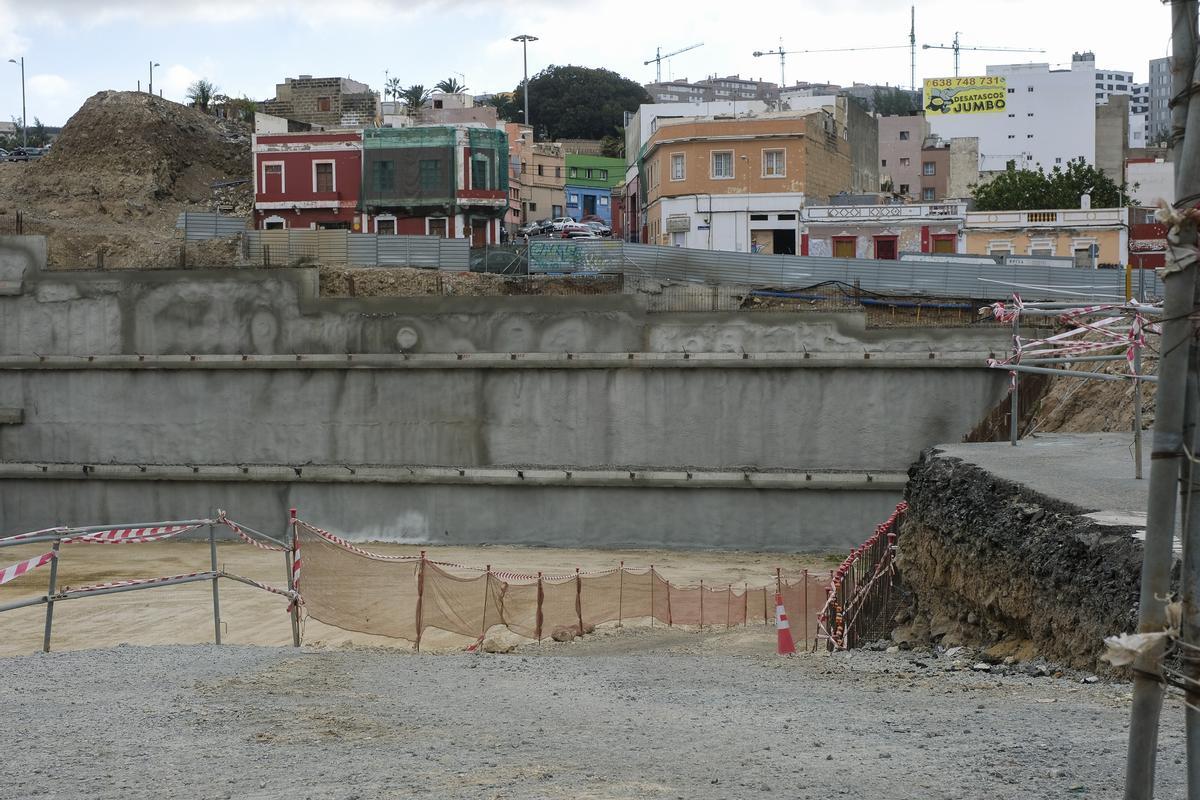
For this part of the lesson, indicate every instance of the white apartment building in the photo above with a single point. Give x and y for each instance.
(1049, 118)
(1160, 96)
(1110, 82)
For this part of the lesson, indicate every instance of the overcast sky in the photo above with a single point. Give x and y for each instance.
(74, 48)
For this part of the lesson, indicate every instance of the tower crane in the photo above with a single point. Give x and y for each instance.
(659, 55)
(956, 47)
(783, 54)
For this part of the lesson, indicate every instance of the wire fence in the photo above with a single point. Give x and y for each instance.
(862, 598)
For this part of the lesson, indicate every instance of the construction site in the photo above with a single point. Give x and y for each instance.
(415, 530)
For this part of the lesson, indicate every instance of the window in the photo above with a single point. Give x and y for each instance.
(1012, 136)
(323, 176)
(722, 164)
(540, 171)
(928, 193)
(883, 162)
(759, 217)
(1010, 91)
(384, 176)
(677, 166)
(479, 173)
(436, 226)
(572, 172)
(1029, 136)
(904, 162)
(533, 207)
(602, 174)
(844, 247)
(572, 199)
(587, 173)
(524, 167)
(1029, 88)
(1030, 114)
(324, 104)
(558, 172)
(603, 199)
(904, 136)
(556, 213)
(904, 188)
(430, 173)
(929, 168)
(773, 166)
(1058, 160)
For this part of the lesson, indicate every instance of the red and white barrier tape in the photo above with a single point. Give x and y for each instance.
(31, 534)
(14, 571)
(95, 587)
(291, 595)
(340, 542)
(133, 535)
(245, 537)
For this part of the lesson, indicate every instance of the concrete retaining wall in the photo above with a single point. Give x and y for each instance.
(107, 377)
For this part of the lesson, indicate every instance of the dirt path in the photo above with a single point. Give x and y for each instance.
(183, 614)
(643, 715)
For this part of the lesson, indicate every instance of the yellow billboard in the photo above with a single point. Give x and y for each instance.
(978, 94)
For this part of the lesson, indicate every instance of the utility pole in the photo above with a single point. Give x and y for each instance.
(24, 118)
(525, 39)
(153, 64)
(1167, 455)
(912, 48)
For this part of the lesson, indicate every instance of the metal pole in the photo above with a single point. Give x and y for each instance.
(804, 578)
(652, 610)
(290, 554)
(1179, 288)
(50, 599)
(1137, 412)
(701, 606)
(621, 595)
(420, 597)
(1014, 401)
(1189, 498)
(525, 91)
(212, 551)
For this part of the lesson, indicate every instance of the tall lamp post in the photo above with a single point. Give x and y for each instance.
(153, 64)
(24, 121)
(525, 39)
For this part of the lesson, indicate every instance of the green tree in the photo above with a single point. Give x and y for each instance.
(414, 96)
(890, 102)
(613, 145)
(579, 102)
(37, 134)
(392, 88)
(201, 93)
(450, 86)
(1028, 190)
(506, 109)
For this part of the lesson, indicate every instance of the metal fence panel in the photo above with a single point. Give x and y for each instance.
(966, 278)
(332, 246)
(200, 225)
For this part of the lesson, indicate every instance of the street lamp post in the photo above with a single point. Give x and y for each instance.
(24, 119)
(525, 39)
(153, 64)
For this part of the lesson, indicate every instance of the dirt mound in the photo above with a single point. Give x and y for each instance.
(1074, 405)
(134, 147)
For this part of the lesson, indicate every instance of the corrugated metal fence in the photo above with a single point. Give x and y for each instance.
(200, 225)
(339, 247)
(965, 279)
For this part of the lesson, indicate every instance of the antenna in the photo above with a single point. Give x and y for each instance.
(956, 47)
(659, 56)
(912, 49)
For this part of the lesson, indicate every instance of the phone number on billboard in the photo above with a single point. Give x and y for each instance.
(954, 83)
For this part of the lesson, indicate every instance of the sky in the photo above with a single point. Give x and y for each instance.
(74, 48)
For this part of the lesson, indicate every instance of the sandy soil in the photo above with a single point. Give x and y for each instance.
(638, 715)
(183, 614)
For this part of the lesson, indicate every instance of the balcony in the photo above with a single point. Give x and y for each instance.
(1049, 218)
(895, 212)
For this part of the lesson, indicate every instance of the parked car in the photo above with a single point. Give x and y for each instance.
(581, 235)
(573, 230)
(557, 223)
(530, 229)
(25, 154)
(599, 228)
(3, 154)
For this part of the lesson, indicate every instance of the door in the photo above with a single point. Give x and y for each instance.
(943, 243)
(387, 226)
(844, 247)
(479, 232)
(589, 204)
(885, 247)
(784, 243)
(272, 179)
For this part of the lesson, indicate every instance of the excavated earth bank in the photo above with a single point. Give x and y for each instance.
(993, 564)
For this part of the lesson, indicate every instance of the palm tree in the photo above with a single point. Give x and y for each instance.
(414, 96)
(392, 88)
(450, 86)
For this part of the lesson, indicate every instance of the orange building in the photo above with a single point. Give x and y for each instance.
(739, 183)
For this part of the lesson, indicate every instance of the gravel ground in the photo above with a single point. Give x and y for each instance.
(646, 714)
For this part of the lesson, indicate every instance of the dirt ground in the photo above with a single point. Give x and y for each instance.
(641, 714)
(183, 614)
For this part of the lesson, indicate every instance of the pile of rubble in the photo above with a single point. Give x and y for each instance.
(118, 175)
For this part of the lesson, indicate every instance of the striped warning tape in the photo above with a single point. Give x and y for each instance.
(31, 534)
(95, 587)
(133, 535)
(245, 537)
(340, 542)
(13, 571)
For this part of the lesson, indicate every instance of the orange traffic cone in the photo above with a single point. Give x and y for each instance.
(782, 629)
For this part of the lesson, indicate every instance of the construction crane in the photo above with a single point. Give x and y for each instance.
(783, 54)
(659, 55)
(957, 48)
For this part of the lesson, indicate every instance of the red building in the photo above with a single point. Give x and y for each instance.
(1147, 240)
(307, 180)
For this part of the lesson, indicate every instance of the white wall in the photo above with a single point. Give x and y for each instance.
(1062, 126)
(649, 113)
(1155, 181)
(722, 222)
